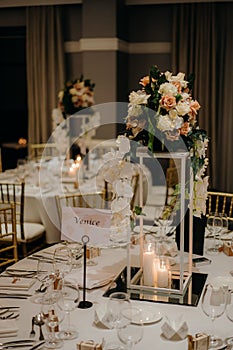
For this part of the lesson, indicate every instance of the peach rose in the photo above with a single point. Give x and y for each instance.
(145, 80)
(178, 86)
(184, 129)
(168, 102)
(194, 107)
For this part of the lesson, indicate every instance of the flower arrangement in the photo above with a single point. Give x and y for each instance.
(162, 115)
(76, 95)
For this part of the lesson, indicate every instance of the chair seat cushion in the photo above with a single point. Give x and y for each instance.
(31, 231)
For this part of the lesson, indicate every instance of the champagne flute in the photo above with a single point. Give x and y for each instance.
(131, 331)
(68, 302)
(213, 305)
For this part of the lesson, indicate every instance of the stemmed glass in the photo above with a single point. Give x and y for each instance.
(52, 316)
(116, 302)
(214, 226)
(213, 305)
(229, 314)
(131, 331)
(46, 275)
(62, 261)
(68, 302)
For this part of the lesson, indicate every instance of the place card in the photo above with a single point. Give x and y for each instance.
(78, 222)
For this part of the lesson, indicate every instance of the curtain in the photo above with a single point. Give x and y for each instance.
(202, 44)
(45, 68)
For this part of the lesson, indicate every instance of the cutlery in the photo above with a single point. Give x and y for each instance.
(9, 307)
(6, 316)
(32, 333)
(37, 345)
(12, 317)
(17, 342)
(38, 320)
(15, 295)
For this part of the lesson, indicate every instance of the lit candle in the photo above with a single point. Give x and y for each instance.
(162, 274)
(148, 265)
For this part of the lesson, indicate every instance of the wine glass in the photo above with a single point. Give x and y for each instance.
(213, 305)
(116, 302)
(62, 261)
(76, 253)
(229, 314)
(214, 226)
(52, 316)
(131, 331)
(224, 223)
(46, 275)
(68, 302)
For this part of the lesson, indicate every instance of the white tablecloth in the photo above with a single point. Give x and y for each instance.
(40, 201)
(113, 260)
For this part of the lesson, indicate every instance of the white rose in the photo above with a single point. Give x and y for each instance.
(182, 108)
(139, 97)
(168, 89)
(164, 123)
(134, 110)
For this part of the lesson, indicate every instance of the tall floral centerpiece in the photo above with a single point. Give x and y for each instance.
(162, 115)
(77, 95)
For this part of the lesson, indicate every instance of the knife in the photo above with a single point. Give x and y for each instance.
(19, 341)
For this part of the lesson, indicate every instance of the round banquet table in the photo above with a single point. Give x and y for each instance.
(113, 261)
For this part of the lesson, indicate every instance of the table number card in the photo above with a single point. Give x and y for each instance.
(77, 222)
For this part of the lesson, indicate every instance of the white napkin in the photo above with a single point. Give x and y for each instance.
(16, 283)
(8, 328)
(94, 279)
(175, 329)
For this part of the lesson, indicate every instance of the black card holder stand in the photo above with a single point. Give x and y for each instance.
(84, 304)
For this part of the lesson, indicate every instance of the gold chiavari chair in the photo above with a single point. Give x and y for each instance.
(8, 239)
(220, 202)
(45, 151)
(30, 235)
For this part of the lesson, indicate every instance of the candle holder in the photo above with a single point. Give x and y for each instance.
(154, 275)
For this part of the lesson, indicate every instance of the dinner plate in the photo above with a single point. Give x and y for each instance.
(219, 281)
(152, 229)
(148, 314)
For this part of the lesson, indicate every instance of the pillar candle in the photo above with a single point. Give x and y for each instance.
(148, 266)
(162, 275)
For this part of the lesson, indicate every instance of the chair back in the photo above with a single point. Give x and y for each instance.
(220, 202)
(8, 248)
(87, 200)
(45, 151)
(13, 192)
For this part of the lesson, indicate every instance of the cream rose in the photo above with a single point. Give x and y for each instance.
(168, 89)
(139, 97)
(182, 108)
